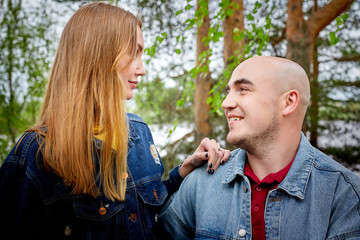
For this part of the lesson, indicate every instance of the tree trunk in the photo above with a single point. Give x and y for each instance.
(230, 23)
(301, 35)
(202, 82)
(314, 109)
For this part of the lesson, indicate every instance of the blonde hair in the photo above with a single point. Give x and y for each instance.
(85, 91)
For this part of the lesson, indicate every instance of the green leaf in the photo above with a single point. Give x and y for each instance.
(177, 51)
(229, 12)
(250, 17)
(339, 21)
(159, 39)
(345, 16)
(333, 38)
(178, 12)
(164, 34)
(180, 103)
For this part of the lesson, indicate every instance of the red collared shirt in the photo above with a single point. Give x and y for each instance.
(259, 191)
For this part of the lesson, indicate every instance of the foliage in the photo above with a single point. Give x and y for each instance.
(25, 47)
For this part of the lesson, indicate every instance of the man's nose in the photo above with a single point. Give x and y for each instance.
(228, 102)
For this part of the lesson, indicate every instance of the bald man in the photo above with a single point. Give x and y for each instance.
(275, 185)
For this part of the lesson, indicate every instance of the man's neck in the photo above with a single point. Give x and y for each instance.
(275, 159)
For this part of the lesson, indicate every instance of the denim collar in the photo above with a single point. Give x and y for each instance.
(297, 178)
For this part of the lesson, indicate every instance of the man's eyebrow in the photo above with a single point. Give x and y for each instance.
(239, 82)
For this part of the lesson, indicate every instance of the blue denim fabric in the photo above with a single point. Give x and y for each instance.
(35, 204)
(318, 199)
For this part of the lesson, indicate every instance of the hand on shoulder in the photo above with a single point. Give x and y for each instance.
(208, 151)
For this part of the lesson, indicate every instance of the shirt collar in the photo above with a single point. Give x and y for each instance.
(271, 178)
(295, 181)
(236, 167)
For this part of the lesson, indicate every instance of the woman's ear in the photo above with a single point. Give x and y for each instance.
(291, 100)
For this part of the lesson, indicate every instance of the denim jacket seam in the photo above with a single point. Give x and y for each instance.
(146, 180)
(25, 147)
(344, 176)
(343, 236)
(34, 179)
(205, 233)
(178, 219)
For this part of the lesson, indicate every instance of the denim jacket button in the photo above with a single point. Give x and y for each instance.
(102, 211)
(133, 217)
(155, 195)
(242, 232)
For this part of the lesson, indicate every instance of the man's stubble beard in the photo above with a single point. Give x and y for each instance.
(259, 144)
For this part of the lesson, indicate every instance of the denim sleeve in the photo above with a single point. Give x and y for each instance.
(174, 181)
(177, 218)
(20, 203)
(345, 219)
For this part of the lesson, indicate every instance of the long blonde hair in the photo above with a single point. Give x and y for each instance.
(85, 91)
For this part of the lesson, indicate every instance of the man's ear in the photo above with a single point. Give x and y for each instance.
(291, 101)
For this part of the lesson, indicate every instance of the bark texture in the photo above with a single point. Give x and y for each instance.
(202, 84)
(230, 23)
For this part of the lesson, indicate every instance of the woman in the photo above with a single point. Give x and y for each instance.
(88, 170)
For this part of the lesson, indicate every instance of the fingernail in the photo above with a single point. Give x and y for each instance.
(209, 171)
(212, 171)
(210, 165)
(206, 155)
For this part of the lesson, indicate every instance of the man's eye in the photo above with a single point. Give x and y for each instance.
(242, 89)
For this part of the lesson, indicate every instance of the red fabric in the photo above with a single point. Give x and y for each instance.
(259, 191)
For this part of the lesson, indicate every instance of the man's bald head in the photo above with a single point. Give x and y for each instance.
(284, 74)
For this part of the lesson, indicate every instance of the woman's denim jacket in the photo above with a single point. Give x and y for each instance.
(319, 199)
(35, 204)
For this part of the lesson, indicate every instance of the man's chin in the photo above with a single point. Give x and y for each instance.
(234, 140)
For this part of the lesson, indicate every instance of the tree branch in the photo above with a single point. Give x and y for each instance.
(348, 59)
(275, 41)
(325, 15)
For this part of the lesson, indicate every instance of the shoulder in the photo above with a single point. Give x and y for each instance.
(26, 149)
(199, 180)
(324, 163)
(135, 118)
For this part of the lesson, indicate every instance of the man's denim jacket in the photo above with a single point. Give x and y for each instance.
(35, 204)
(318, 199)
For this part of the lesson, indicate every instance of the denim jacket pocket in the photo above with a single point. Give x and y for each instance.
(89, 208)
(152, 190)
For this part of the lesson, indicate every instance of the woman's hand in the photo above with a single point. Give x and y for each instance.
(208, 151)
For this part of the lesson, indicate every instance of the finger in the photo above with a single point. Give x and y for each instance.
(213, 156)
(225, 156)
(199, 159)
(219, 157)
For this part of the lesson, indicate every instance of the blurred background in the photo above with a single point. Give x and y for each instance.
(192, 46)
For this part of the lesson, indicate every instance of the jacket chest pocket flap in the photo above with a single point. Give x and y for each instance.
(152, 190)
(90, 208)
